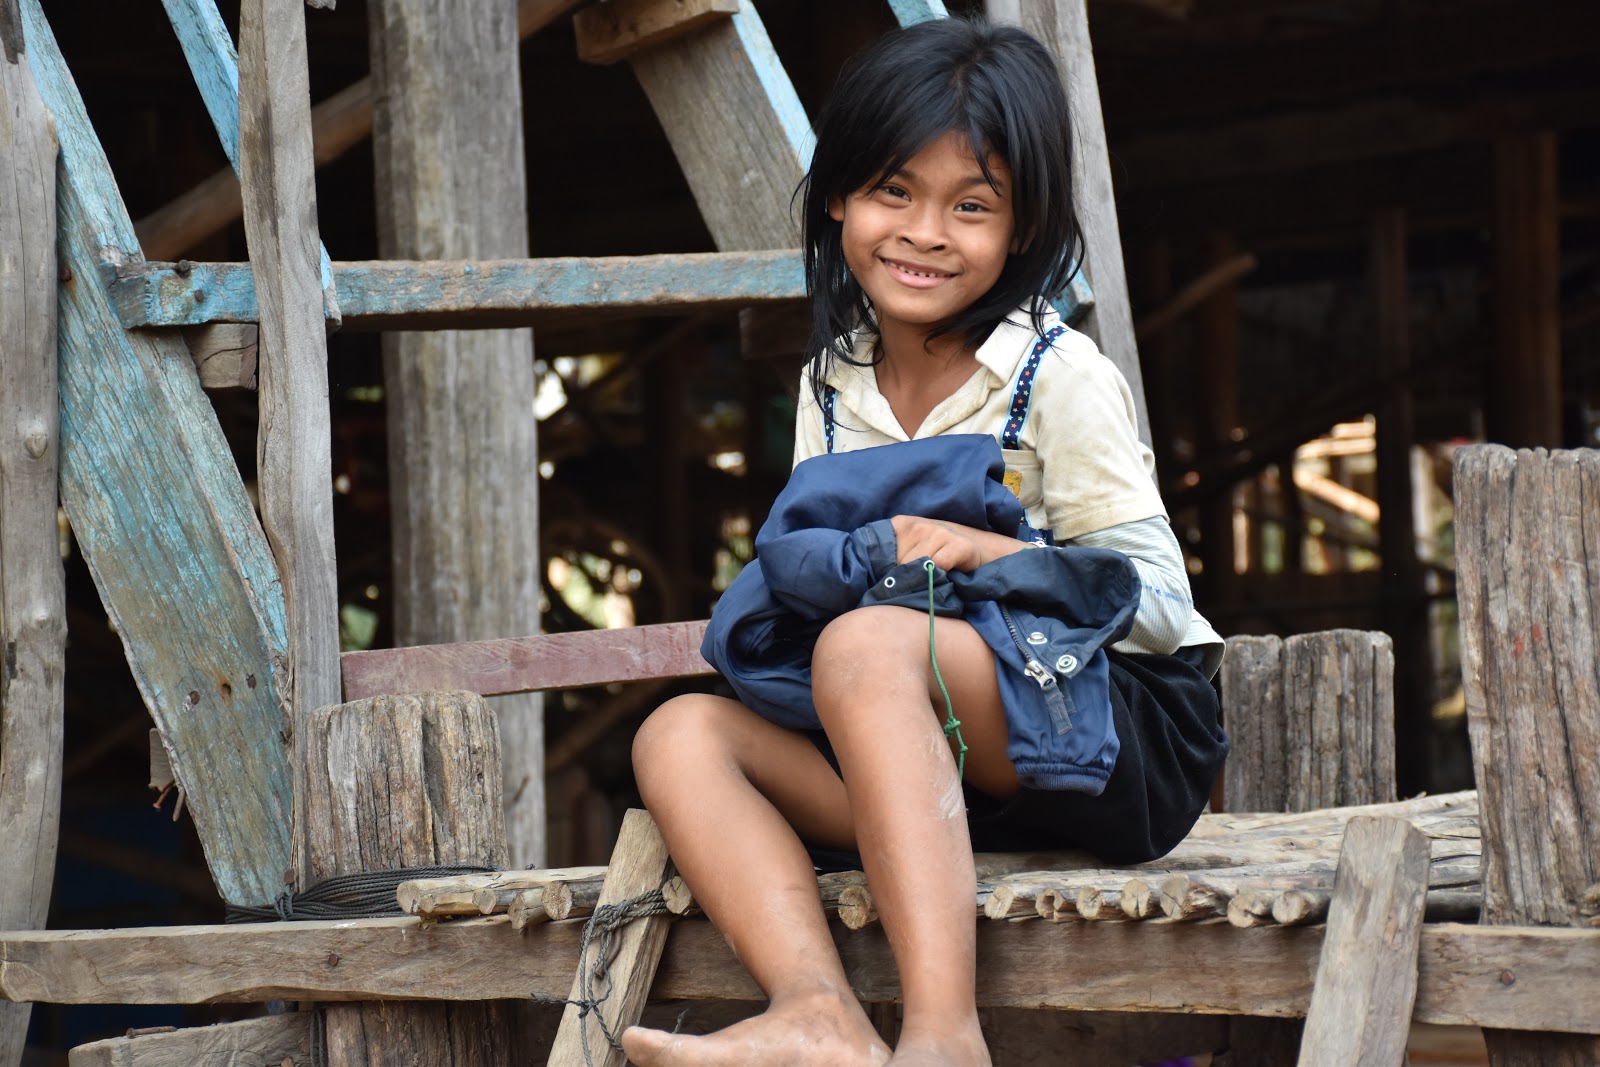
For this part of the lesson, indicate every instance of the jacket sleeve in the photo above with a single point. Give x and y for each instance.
(1165, 603)
(819, 573)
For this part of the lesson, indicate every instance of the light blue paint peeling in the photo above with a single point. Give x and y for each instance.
(775, 81)
(911, 12)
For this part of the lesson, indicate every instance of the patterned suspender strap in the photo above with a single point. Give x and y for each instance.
(828, 395)
(1011, 437)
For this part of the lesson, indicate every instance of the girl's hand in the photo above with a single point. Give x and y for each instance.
(950, 545)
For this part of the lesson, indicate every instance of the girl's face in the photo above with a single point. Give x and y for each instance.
(930, 240)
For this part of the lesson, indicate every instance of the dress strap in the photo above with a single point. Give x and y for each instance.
(1011, 437)
(829, 394)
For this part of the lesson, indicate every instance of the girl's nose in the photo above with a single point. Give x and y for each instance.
(923, 228)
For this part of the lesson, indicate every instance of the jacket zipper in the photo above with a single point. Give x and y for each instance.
(1053, 697)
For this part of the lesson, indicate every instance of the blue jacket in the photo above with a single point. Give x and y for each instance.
(828, 547)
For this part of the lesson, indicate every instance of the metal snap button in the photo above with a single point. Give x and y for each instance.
(888, 583)
(1067, 664)
(1037, 638)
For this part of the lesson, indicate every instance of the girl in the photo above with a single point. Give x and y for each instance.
(938, 223)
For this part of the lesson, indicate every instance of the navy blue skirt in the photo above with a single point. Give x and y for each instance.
(1172, 748)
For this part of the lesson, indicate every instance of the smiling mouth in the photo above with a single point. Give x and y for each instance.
(917, 272)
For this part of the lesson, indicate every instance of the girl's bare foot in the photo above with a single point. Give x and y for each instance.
(928, 1049)
(810, 1032)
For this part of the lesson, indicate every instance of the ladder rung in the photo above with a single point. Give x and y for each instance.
(466, 294)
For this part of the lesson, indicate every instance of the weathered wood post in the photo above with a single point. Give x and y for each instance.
(1528, 582)
(463, 447)
(33, 623)
(395, 782)
(1311, 718)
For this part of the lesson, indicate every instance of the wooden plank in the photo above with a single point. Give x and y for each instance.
(33, 611)
(293, 444)
(616, 30)
(1526, 977)
(437, 801)
(225, 354)
(531, 664)
(1338, 687)
(1255, 776)
(215, 66)
(1064, 26)
(338, 123)
(269, 1040)
(466, 294)
(483, 894)
(911, 12)
(639, 865)
(1361, 1005)
(736, 126)
(1528, 574)
(144, 467)
(463, 446)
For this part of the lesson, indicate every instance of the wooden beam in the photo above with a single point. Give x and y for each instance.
(531, 664)
(1525, 977)
(639, 865)
(1064, 26)
(736, 126)
(1524, 400)
(215, 66)
(616, 30)
(225, 354)
(463, 451)
(33, 610)
(145, 467)
(467, 294)
(911, 12)
(269, 1040)
(1361, 1005)
(1528, 582)
(338, 123)
(293, 446)
(1216, 277)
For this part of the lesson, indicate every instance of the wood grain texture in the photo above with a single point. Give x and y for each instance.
(911, 12)
(293, 442)
(263, 1042)
(225, 354)
(466, 294)
(424, 896)
(1063, 25)
(639, 865)
(463, 442)
(215, 66)
(1529, 588)
(1311, 718)
(531, 664)
(616, 30)
(166, 526)
(397, 782)
(1525, 977)
(1361, 1005)
(736, 126)
(33, 619)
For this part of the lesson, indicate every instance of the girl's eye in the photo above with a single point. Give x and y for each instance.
(892, 190)
(971, 208)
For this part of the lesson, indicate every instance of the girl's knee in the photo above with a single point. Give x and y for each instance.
(692, 726)
(874, 635)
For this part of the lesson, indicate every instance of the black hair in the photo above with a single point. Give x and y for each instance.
(995, 84)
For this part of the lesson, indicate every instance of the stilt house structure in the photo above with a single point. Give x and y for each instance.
(373, 819)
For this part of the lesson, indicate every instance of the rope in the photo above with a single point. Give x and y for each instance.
(369, 895)
(952, 725)
(600, 931)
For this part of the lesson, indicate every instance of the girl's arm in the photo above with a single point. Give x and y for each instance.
(1165, 604)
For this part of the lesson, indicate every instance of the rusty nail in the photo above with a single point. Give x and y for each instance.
(66, 273)
(199, 296)
(250, 680)
(183, 267)
(1508, 978)
(333, 959)
(194, 697)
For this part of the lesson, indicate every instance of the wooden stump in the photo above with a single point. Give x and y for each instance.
(393, 782)
(1366, 984)
(1528, 581)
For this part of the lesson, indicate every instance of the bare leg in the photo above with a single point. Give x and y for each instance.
(728, 790)
(872, 682)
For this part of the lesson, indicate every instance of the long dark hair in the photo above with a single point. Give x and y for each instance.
(993, 83)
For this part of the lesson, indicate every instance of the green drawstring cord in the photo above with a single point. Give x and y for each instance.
(952, 725)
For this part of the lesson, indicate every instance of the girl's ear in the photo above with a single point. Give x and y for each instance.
(836, 208)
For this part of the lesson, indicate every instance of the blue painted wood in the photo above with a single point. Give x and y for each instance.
(166, 526)
(781, 97)
(214, 62)
(1076, 303)
(390, 294)
(911, 12)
